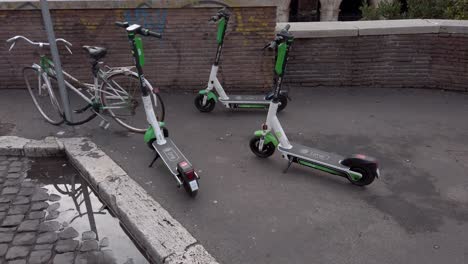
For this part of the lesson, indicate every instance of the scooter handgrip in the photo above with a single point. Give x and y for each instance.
(121, 24)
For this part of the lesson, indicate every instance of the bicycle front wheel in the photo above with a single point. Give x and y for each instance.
(121, 97)
(43, 95)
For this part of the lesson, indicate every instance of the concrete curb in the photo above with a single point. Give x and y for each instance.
(375, 27)
(162, 237)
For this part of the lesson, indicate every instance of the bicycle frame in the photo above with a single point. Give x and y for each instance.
(94, 99)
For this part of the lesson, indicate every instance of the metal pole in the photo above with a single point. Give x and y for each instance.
(56, 58)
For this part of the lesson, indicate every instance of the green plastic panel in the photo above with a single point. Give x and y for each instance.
(221, 30)
(280, 58)
(139, 46)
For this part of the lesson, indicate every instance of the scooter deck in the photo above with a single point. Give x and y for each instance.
(170, 155)
(246, 99)
(315, 156)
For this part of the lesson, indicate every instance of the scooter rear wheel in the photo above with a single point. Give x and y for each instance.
(367, 176)
(189, 190)
(208, 107)
(267, 151)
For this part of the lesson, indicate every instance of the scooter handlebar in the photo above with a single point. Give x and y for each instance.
(122, 24)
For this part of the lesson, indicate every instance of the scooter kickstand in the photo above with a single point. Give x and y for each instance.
(290, 161)
(154, 160)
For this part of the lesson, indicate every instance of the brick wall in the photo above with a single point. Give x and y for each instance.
(390, 61)
(181, 61)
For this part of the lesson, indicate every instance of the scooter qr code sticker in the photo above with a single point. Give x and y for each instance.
(194, 185)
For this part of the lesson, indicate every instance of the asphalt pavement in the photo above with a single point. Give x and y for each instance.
(249, 211)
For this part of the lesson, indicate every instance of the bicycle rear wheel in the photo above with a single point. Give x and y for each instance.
(121, 97)
(43, 95)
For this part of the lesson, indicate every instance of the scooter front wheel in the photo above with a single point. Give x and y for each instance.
(267, 150)
(284, 102)
(367, 176)
(208, 107)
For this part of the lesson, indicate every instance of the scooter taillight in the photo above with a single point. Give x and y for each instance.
(190, 175)
(264, 126)
(185, 168)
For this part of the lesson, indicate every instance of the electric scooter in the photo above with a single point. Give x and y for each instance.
(358, 169)
(157, 134)
(206, 99)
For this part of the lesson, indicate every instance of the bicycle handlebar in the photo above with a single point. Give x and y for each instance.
(138, 29)
(40, 44)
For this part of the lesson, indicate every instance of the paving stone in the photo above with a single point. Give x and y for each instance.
(69, 232)
(14, 175)
(7, 229)
(47, 238)
(18, 209)
(3, 157)
(16, 164)
(68, 245)
(28, 184)
(89, 245)
(6, 198)
(65, 258)
(17, 261)
(43, 246)
(49, 226)
(88, 235)
(36, 215)
(12, 220)
(40, 195)
(5, 162)
(52, 215)
(39, 206)
(10, 190)
(3, 249)
(54, 197)
(89, 257)
(53, 207)
(13, 158)
(2, 215)
(24, 239)
(29, 225)
(104, 242)
(6, 237)
(17, 252)
(2, 168)
(4, 207)
(109, 257)
(11, 182)
(26, 191)
(14, 169)
(40, 257)
(21, 200)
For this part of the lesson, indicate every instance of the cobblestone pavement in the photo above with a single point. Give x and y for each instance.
(28, 231)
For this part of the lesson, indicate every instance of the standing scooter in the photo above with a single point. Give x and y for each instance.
(358, 169)
(206, 99)
(156, 135)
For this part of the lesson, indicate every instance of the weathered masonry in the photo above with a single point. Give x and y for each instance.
(380, 54)
(180, 61)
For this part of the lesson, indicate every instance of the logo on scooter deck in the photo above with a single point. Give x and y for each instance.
(314, 155)
(171, 154)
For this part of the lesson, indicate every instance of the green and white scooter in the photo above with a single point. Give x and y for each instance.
(358, 169)
(157, 135)
(207, 98)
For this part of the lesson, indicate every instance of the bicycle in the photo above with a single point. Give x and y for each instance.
(115, 90)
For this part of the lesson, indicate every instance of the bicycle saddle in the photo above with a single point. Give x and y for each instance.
(96, 53)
